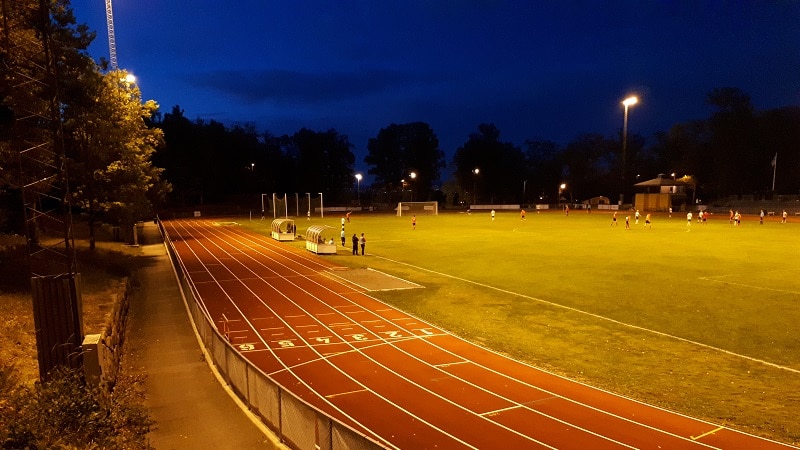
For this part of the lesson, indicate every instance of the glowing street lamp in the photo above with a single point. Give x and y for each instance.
(358, 187)
(561, 188)
(475, 171)
(628, 102)
(413, 176)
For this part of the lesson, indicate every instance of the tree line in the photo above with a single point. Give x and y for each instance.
(125, 157)
(729, 153)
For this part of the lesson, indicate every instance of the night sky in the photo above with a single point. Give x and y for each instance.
(537, 70)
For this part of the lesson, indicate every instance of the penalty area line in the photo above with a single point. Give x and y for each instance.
(598, 316)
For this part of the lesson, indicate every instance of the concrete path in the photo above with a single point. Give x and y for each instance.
(192, 409)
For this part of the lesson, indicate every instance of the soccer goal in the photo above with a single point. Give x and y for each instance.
(421, 208)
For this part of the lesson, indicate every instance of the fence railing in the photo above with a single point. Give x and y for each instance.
(296, 423)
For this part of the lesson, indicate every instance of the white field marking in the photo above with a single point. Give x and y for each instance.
(370, 344)
(366, 289)
(274, 354)
(694, 438)
(598, 316)
(341, 324)
(451, 363)
(421, 420)
(762, 288)
(396, 278)
(498, 411)
(371, 321)
(399, 319)
(306, 326)
(271, 328)
(325, 314)
(357, 391)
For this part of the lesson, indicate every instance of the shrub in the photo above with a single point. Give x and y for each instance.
(63, 412)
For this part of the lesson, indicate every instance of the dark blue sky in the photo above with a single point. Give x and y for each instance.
(550, 70)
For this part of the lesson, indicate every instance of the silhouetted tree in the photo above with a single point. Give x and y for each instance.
(399, 150)
(322, 162)
(501, 167)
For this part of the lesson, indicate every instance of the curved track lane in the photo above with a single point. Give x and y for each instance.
(396, 379)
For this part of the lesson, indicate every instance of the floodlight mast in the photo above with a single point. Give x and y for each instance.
(112, 44)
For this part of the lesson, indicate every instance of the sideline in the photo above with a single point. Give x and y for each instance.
(597, 316)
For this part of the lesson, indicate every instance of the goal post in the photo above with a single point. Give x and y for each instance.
(421, 208)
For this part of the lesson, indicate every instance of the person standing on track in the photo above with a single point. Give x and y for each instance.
(355, 244)
(348, 216)
(647, 223)
(614, 219)
(522, 214)
(688, 220)
(342, 235)
(363, 243)
(414, 222)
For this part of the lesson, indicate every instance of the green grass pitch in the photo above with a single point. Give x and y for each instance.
(699, 319)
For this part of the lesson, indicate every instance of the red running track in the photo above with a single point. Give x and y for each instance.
(396, 379)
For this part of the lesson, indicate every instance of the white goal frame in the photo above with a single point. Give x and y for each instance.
(430, 208)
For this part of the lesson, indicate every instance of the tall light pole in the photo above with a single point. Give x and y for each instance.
(561, 188)
(413, 176)
(630, 101)
(523, 192)
(475, 172)
(358, 187)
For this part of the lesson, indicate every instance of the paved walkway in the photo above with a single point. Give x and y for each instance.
(192, 409)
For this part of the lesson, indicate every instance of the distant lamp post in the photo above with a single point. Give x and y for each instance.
(358, 187)
(561, 188)
(628, 102)
(413, 176)
(475, 172)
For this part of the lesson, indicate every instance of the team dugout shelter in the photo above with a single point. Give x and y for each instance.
(321, 239)
(283, 229)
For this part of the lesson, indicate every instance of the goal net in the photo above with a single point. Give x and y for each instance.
(421, 208)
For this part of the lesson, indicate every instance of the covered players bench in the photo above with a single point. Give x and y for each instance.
(320, 240)
(283, 229)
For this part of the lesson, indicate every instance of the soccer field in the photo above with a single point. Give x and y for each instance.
(698, 319)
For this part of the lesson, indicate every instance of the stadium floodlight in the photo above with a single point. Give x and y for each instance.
(630, 101)
(475, 171)
(358, 187)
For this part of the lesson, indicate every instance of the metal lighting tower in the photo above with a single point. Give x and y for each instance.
(628, 102)
(112, 44)
(30, 57)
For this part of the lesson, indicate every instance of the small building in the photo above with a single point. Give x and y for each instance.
(283, 229)
(663, 193)
(321, 239)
